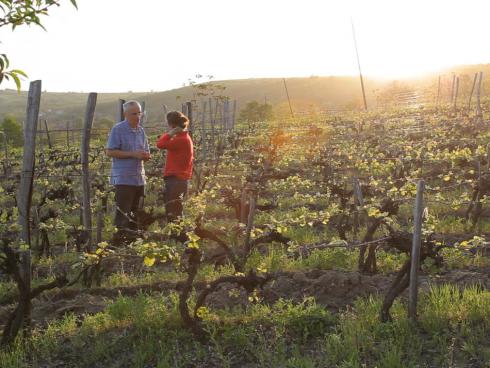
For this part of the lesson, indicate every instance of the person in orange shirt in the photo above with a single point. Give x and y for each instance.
(178, 165)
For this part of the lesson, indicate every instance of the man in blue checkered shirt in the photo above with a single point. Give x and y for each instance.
(128, 147)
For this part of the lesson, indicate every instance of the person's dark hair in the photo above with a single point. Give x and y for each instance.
(177, 119)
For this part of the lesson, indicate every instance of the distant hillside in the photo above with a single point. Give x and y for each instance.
(307, 94)
(314, 92)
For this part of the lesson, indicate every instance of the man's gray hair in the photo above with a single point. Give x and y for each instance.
(129, 104)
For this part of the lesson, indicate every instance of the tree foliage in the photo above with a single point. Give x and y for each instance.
(16, 13)
(254, 111)
(13, 129)
(20, 12)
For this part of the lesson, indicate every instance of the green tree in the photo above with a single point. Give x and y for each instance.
(206, 88)
(16, 13)
(254, 111)
(13, 130)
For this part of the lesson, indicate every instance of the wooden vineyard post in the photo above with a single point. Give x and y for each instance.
(359, 66)
(143, 110)
(243, 203)
(120, 111)
(165, 111)
(233, 117)
(456, 90)
(36, 229)
(478, 204)
(250, 221)
(41, 145)
(471, 93)
(218, 116)
(25, 261)
(452, 88)
(289, 100)
(25, 197)
(212, 121)
(27, 175)
(415, 255)
(488, 157)
(101, 212)
(226, 111)
(188, 109)
(358, 203)
(203, 132)
(47, 133)
(68, 134)
(84, 149)
(479, 114)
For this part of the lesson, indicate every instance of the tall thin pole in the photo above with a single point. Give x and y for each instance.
(84, 158)
(287, 94)
(415, 255)
(359, 65)
(479, 113)
(471, 93)
(438, 91)
(456, 90)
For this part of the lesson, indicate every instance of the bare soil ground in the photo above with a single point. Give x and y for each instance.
(332, 289)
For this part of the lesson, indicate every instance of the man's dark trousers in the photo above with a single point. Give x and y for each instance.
(127, 201)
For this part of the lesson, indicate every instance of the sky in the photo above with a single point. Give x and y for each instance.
(156, 45)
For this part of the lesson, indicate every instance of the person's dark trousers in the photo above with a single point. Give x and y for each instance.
(175, 191)
(127, 200)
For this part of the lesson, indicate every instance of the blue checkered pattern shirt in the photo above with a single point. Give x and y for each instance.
(127, 171)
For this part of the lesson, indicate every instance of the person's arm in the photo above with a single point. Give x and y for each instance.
(166, 141)
(113, 148)
(140, 155)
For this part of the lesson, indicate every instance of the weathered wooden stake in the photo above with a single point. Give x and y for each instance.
(25, 192)
(68, 134)
(41, 145)
(359, 65)
(479, 113)
(471, 93)
(415, 255)
(101, 212)
(25, 260)
(358, 203)
(203, 131)
(226, 111)
(27, 175)
(47, 133)
(143, 110)
(488, 157)
(243, 204)
(165, 112)
(456, 94)
(85, 147)
(250, 222)
(188, 109)
(120, 111)
(452, 88)
(212, 122)
(289, 100)
(233, 116)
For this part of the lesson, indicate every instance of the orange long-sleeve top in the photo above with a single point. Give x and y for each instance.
(180, 154)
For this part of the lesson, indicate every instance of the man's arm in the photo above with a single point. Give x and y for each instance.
(140, 155)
